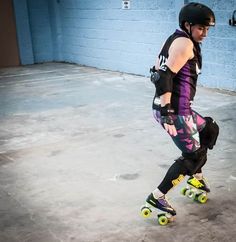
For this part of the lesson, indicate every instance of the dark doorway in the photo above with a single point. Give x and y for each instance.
(9, 54)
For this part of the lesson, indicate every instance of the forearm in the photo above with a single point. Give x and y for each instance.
(163, 84)
(165, 98)
(166, 114)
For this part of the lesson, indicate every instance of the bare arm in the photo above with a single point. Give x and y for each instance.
(181, 50)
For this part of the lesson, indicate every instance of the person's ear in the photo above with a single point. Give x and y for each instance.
(187, 26)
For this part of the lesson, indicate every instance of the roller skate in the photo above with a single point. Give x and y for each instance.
(164, 217)
(196, 190)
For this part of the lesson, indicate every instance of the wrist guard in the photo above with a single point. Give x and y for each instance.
(166, 113)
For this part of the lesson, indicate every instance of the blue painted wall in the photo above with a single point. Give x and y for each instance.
(23, 32)
(41, 32)
(219, 49)
(101, 34)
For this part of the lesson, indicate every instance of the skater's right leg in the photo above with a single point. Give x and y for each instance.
(173, 177)
(188, 164)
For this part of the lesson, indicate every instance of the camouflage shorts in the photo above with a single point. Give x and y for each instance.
(188, 128)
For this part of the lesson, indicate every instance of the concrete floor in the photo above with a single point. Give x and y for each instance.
(80, 151)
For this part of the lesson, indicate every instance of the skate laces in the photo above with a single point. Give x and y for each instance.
(164, 201)
(204, 182)
(195, 182)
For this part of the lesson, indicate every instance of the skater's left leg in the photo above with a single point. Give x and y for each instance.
(199, 182)
(199, 179)
(208, 136)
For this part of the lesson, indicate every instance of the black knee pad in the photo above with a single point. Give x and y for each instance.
(194, 161)
(209, 134)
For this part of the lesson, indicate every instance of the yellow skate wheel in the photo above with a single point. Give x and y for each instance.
(190, 194)
(202, 198)
(146, 212)
(183, 190)
(162, 220)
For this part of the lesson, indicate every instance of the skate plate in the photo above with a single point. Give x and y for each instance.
(163, 218)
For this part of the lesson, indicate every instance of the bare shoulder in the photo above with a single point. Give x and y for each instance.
(180, 51)
(182, 45)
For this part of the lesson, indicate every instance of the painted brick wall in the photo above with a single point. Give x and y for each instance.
(41, 33)
(219, 49)
(56, 30)
(23, 32)
(101, 34)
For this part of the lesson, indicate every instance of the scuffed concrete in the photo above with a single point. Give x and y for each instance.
(80, 151)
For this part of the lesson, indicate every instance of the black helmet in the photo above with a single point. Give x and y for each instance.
(196, 13)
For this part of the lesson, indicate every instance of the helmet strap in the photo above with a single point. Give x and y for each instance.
(189, 32)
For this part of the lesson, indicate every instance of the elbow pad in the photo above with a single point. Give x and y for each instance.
(163, 80)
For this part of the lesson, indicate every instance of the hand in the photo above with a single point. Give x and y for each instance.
(170, 129)
(166, 119)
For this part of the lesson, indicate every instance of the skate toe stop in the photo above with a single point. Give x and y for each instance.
(172, 219)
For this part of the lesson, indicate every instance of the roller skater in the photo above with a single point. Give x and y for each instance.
(175, 77)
